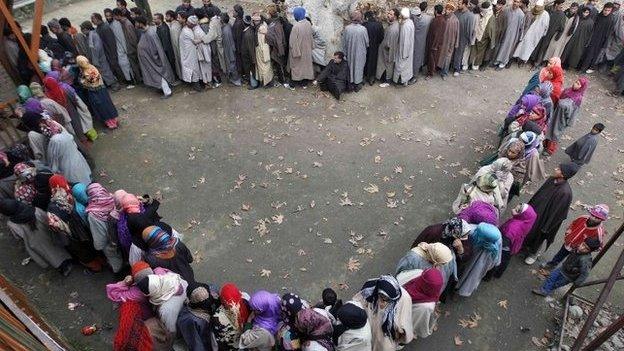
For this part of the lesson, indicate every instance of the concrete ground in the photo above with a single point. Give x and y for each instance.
(230, 162)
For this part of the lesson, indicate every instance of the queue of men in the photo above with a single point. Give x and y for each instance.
(205, 46)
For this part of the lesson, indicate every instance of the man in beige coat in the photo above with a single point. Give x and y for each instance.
(301, 43)
(264, 72)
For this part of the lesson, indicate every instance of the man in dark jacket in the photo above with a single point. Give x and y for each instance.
(50, 44)
(165, 38)
(63, 37)
(603, 26)
(110, 45)
(335, 76)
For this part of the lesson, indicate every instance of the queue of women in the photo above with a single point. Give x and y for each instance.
(65, 219)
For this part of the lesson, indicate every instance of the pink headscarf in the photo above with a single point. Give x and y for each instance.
(101, 203)
(517, 228)
(130, 204)
(426, 287)
(576, 95)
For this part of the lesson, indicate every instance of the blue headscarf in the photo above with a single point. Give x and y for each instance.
(299, 13)
(79, 191)
(487, 237)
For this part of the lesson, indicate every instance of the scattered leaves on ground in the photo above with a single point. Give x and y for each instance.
(353, 264)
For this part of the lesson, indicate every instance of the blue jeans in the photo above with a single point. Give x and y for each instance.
(555, 280)
(559, 256)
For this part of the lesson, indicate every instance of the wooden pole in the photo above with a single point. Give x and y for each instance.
(604, 293)
(33, 57)
(36, 27)
(605, 335)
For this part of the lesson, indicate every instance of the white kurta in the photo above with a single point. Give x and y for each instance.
(204, 55)
(188, 57)
(532, 37)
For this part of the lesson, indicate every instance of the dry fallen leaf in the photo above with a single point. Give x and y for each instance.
(246, 206)
(392, 203)
(265, 272)
(261, 227)
(377, 159)
(503, 304)
(398, 169)
(236, 218)
(371, 188)
(345, 202)
(458, 341)
(353, 264)
(278, 218)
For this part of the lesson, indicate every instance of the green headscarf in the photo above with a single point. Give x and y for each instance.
(24, 93)
(36, 89)
(487, 182)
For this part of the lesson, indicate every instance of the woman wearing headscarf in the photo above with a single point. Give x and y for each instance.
(565, 113)
(81, 200)
(502, 169)
(544, 90)
(425, 256)
(526, 103)
(69, 229)
(556, 78)
(389, 310)
(537, 115)
(24, 224)
(100, 209)
(57, 148)
(315, 326)
(167, 293)
(551, 204)
(136, 333)
(529, 167)
(55, 110)
(483, 188)
(195, 318)
(352, 331)
(98, 97)
(8, 177)
(167, 251)
(487, 245)
(265, 308)
(231, 316)
(424, 288)
(288, 337)
(32, 185)
(514, 231)
(541, 75)
(23, 93)
(78, 110)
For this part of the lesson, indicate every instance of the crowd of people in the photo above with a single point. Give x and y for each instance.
(206, 46)
(65, 220)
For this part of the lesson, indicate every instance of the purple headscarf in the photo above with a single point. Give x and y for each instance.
(267, 308)
(576, 95)
(479, 212)
(527, 102)
(123, 232)
(56, 75)
(517, 228)
(33, 105)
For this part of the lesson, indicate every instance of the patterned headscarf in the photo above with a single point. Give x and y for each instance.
(313, 326)
(388, 286)
(101, 202)
(232, 299)
(160, 243)
(203, 299)
(453, 228)
(49, 127)
(291, 305)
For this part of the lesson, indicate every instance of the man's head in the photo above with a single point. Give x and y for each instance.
(559, 5)
(597, 128)
(256, 19)
(118, 14)
(516, 4)
(449, 8)
(136, 12)
(463, 5)
(585, 12)
(225, 18)
(566, 170)
(65, 23)
(573, 9)
(423, 6)
(44, 31)
(140, 22)
(55, 26)
(186, 4)
(207, 2)
(438, 10)
(122, 4)
(86, 27)
(591, 2)
(96, 18)
(338, 56)
(500, 4)
(182, 18)
(607, 9)
(170, 16)
(192, 21)
(391, 16)
(616, 5)
(158, 19)
(108, 14)
(369, 15)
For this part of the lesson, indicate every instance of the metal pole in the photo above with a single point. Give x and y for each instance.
(598, 281)
(605, 335)
(606, 289)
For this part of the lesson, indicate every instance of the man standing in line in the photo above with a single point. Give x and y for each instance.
(467, 24)
(155, 67)
(300, 44)
(421, 21)
(514, 24)
(355, 43)
(164, 34)
(403, 60)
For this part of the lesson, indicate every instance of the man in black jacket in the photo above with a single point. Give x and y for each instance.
(335, 76)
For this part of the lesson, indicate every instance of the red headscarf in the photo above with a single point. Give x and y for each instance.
(427, 287)
(132, 333)
(58, 181)
(54, 91)
(557, 83)
(130, 204)
(232, 298)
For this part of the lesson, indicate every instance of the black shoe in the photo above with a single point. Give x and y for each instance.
(66, 268)
(412, 81)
